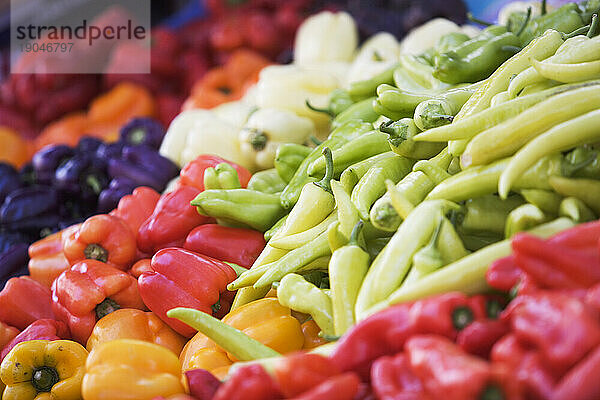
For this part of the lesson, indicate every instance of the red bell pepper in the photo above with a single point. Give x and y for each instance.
(562, 328)
(250, 382)
(235, 245)
(46, 257)
(90, 290)
(479, 337)
(171, 221)
(23, 301)
(543, 274)
(592, 297)
(182, 278)
(581, 382)
(43, 329)
(193, 172)
(7, 333)
(141, 266)
(104, 238)
(300, 372)
(135, 208)
(339, 387)
(392, 379)
(203, 385)
(447, 372)
(583, 236)
(503, 274)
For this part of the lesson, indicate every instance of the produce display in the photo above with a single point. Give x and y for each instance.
(376, 219)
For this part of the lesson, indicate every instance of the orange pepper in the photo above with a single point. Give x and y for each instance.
(227, 83)
(104, 238)
(7, 333)
(141, 266)
(264, 320)
(13, 149)
(311, 330)
(110, 111)
(46, 257)
(130, 323)
(67, 130)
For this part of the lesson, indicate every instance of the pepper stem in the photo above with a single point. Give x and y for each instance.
(444, 117)
(107, 306)
(593, 26)
(579, 31)
(492, 392)
(527, 18)
(44, 378)
(216, 307)
(355, 233)
(137, 136)
(93, 182)
(314, 139)
(325, 183)
(472, 18)
(258, 140)
(544, 10)
(569, 169)
(462, 316)
(321, 110)
(94, 251)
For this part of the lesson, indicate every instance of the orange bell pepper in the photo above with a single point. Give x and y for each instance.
(104, 238)
(129, 323)
(7, 333)
(89, 291)
(46, 257)
(13, 149)
(264, 320)
(227, 83)
(311, 330)
(110, 111)
(67, 130)
(141, 266)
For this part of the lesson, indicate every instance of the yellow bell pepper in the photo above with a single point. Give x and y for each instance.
(44, 370)
(129, 323)
(264, 320)
(126, 369)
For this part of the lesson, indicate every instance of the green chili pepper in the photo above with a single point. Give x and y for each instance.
(275, 228)
(375, 246)
(450, 41)
(576, 209)
(368, 88)
(240, 207)
(222, 176)
(296, 240)
(564, 19)
(338, 234)
(247, 295)
(441, 110)
(588, 160)
(390, 267)
(547, 201)
(505, 139)
(401, 134)
(347, 269)
(400, 102)
(524, 218)
(288, 158)
(299, 295)
(345, 133)
(476, 58)
(420, 72)
(466, 275)
(586, 190)
(351, 175)
(487, 213)
(404, 82)
(232, 340)
(339, 100)
(372, 185)
(267, 181)
(575, 132)
(359, 149)
(362, 111)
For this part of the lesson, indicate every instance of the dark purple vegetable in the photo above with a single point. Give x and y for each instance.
(144, 166)
(88, 144)
(13, 262)
(109, 197)
(83, 175)
(27, 174)
(107, 151)
(9, 180)
(48, 160)
(146, 131)
(31, 209)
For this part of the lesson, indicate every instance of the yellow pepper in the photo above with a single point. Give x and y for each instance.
(126, 369)
(129, 323)
(44, 370)
(264, 320)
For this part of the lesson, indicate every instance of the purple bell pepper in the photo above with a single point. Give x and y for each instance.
(146, 131)
(47, 160)
(83, 175)
(144, 166)
(13, 262)
(31, 209)
(88, 144)
(109, 197)
(9, 180)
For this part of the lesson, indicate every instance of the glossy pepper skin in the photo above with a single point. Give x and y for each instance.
(90, 290)
(264, 320)
(23, 301)
(135, 208)
(129, 323)
(47, 160)
(46, 257)
(145, 131)
(42, 369)
(110, 196)
(183, 278)
(148, 371)
(391, 378)
(250, 382)
(193, 173)
(42, 329)
(30, 209)
(84, 176)
(237, 245)
(171, 221)
(300, 372)
(9, 180)
(104, 238)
